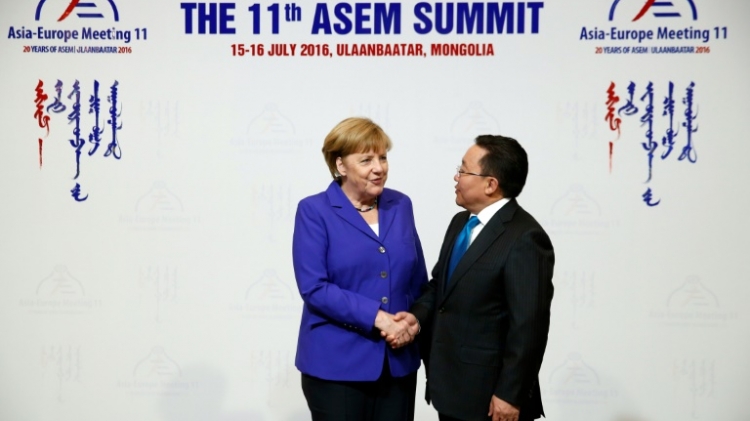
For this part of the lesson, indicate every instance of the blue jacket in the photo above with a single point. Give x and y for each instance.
(345, 274)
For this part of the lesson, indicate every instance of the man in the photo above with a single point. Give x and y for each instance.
(485, 321)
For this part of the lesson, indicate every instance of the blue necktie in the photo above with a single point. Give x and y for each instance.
(462, 243)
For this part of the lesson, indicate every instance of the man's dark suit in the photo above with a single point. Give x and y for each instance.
(485, 332)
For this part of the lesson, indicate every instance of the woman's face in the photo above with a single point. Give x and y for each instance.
(364, 174)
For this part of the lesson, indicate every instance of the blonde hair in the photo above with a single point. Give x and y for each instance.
(353, 135)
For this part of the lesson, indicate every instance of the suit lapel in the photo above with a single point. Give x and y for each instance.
(494, 228)
(451, 236)
(344, 209)
(386, 212)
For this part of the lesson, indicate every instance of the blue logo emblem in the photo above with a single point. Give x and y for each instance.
(659, 9)
(84, 10)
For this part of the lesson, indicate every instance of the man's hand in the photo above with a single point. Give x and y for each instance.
(398, 330)
(502, 411)
(411, 326)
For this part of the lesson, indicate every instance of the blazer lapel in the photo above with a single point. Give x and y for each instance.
(386, 212)
(447, 251)
(494, 228)
(344, 209)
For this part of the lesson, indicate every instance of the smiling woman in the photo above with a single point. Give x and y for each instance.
(363, 177)
(358, 261)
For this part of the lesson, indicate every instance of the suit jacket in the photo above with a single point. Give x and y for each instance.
(345, 274)
(486, 331)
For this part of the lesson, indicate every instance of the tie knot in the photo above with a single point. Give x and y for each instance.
(472, 222)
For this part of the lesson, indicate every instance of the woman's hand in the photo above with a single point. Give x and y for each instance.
(398, 330)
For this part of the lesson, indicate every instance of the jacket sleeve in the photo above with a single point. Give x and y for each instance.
(528, 288)
(424, 308)
(324, 298)
(419, 274)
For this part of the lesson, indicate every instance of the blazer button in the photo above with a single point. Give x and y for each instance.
(381, 249)
(441, 310)
(383, 274)
(384, 300)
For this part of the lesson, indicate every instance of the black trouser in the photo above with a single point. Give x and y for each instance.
(386, 399)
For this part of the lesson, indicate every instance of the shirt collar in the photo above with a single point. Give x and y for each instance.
(487, 213)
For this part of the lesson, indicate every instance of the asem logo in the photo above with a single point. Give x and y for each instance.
(657, 9)
(84, 10)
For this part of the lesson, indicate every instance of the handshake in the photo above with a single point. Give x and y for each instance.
(398, 329)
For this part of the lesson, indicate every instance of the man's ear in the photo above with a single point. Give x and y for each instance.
(492, 187)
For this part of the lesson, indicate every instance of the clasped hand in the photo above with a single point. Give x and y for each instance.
(399, 329)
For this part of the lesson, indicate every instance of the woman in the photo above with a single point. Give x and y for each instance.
(358, 261)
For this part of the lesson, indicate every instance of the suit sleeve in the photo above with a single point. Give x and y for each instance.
(419, 275)
(422, 310)
(424, 306)
(528, 288)
(324, 298)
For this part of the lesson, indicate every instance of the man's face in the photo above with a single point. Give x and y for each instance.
(470, 184)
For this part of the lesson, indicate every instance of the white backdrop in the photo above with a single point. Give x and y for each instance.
(168, 293)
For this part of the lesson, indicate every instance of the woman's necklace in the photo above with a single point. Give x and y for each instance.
(370, 208)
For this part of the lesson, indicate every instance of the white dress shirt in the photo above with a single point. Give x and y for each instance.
(485, 215)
